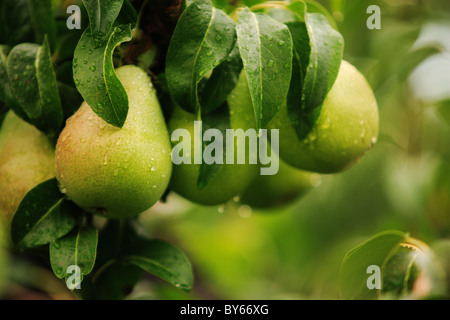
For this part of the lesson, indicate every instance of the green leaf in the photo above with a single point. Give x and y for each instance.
(282, 15)
(42, 20)
(187, 3)
(300, 118)
(78, 248)
(266, 50)
(318, 50)
(408, 268)
(298, 8)
(302, 48)
(33, 83)
(127, 14)
(203, 38)
(115, 282)
(71, 99)
(95, 78)
(64, 73)
(316, 7)
(116, 238)
(102, 15)
(163, 260)
(222, 81)
(113, 278)
(353, 273)
(66, 44)
(400, 272)
(42, 216)
(327, 47)
(6, 96)
(15, 23)
(219, 119)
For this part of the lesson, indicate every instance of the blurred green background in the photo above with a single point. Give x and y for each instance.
(403, 183)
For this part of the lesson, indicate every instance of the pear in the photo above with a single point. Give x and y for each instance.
(284, 187)
(27, 158)
(346, 128)
(232, 179)
(117, 172)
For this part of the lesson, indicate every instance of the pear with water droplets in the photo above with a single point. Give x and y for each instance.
(117, 172)
(232, 179)
(346, 128)
(281, 189)
(27, 158)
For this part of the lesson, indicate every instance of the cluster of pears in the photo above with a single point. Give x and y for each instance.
(121, 172)
(346, 128)
(237, 180)
(118, 173)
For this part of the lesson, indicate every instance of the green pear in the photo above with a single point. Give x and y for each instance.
(282, 188)
(117, 172)
(232, 179)
(346, 128)
(27, 158)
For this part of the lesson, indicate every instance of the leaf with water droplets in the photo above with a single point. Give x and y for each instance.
(102, 15)
(218, 119)
(266, 50)
(300, 118)
(353, 274)
(318, 50)
(43, 216)
(327, 46)
(203, 38)
(221, 82)
(96, 79)
(163, 260)
(7, 99)
(33, 83)
(77, 248)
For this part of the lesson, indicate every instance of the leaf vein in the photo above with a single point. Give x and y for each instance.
(193, 80)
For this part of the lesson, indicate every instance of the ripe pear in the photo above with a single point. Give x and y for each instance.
(280, 189)
(346, 128)
(27, 158)
(232, 179)
(117, 172)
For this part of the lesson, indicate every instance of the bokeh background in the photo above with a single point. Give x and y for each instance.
(295, 252)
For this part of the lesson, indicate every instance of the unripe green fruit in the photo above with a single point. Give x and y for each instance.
(27, 158)
(232, 179)
(117, 172)
(346, 128)
(271, 191)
